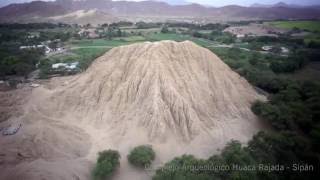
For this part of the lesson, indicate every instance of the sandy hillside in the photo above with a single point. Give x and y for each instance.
(83, 17)
(178, 97)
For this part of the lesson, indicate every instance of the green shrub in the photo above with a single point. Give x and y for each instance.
(107, 163)
(186, 167)
(141, 156)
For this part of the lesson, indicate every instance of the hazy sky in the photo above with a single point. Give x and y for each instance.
(216, 2)
(249, 2)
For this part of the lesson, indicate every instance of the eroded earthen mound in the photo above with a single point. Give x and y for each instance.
(165, 87)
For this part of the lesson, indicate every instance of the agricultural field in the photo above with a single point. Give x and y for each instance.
(140, 31)
(119, 41)
(226, 46)
(310, 29)
(312, 37)
(130, 39)
(167, 36)
(313, 26)
(179, 38)
(97, 43)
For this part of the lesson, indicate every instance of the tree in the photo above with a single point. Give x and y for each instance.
(314, 44)
(223, 166)
(186, 167)
(107, 163)
(197, 34)
(254, 58)
(53, 45)
(119, 33)
(164, 29)
(22, 69)
(141, 156)
(238, 157)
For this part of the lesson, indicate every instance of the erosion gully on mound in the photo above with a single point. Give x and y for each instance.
(178, 97)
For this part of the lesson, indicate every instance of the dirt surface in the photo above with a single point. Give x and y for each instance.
(11, 101)
(178, 97)
(255, 30)
(83, 17)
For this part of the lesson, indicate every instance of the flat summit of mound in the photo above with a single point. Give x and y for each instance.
(167, 87)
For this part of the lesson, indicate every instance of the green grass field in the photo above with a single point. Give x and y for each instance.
(97, 42)
(169, 36)
(312, 37)
(304, 25)
(87, 43)
(87, 55)
(100, 43)
(178, 38)
(130, 39)
(142, 31)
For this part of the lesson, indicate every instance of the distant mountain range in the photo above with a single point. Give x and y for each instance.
(7, 2)
(282, 4)
(174, 2)
(45, 11)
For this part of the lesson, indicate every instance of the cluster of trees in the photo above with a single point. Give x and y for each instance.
(51, 35)
(216, 29)
(216, 35)
(13, 36)
(295, 107)
(17, 62)
(253, 66)
(221, 166)
(108, 161)
(164, 29)
(145, 25)
(293, 150)
(293, 111)
(268, 156)
(314, 44)
(261, 69)
(20, 33)
(290, 64)
(193, 26)
(117, 24)
(121, 24)
(295, 61)
(110, 31)
(268, 39)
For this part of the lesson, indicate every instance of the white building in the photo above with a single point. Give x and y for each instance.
(69, 66)
(284, 50)
(267, 48)
(46, 48)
